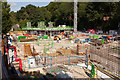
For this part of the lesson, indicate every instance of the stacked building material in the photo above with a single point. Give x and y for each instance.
(21, 37)
(27, 50)
(26, 40)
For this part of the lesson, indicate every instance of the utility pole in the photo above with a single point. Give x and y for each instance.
(1, 40)
(75, 15)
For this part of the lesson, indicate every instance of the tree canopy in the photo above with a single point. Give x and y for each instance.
(99, 16)
(6, 20)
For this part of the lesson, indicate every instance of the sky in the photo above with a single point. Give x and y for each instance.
(17, 4)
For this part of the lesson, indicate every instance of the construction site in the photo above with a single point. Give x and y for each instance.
(73, 55)
(59, 52)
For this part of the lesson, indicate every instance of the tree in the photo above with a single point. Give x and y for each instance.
(13, 18)
(6, 21)
(23, 23)
(61, 11)
(90, 15)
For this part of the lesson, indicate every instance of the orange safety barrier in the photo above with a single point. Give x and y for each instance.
(26, 34)
(109, 36)
(81, 53)
(82, 35)
(67, 35)
(63, 33)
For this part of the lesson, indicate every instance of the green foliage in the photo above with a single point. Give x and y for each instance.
(13, 18)
(19, 29)
(6, 20)
(61, 13)
(90, 15)
(23, 23)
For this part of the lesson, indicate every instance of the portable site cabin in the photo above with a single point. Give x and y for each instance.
(113, 32)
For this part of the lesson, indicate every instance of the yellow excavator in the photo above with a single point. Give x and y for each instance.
(57, 37)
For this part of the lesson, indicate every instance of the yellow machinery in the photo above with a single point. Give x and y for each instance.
(55, 38)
